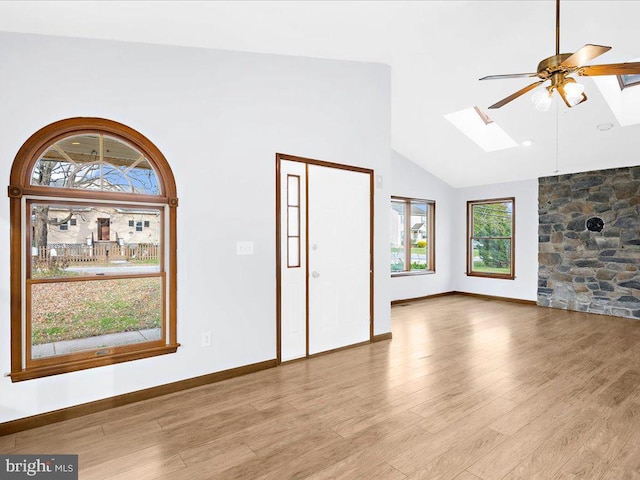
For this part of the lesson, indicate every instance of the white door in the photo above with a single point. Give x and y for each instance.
(293, 266)
(336, 212)
(339, 258)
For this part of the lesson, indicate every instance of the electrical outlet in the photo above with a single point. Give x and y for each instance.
(244, 248)
(206, 339)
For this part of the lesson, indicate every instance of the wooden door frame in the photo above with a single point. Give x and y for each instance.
(321, 163)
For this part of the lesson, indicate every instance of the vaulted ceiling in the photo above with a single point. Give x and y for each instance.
(437, 50)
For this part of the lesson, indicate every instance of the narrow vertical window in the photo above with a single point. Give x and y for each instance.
(412, 236)
(293, 221)
(490, 238)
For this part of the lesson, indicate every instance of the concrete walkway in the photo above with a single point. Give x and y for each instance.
(90, 343)
(115, 270)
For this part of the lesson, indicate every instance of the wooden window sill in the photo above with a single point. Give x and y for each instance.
(412, 273)
(489, 275)
(73, 366)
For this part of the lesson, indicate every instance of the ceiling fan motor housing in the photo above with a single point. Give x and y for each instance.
(551, 65)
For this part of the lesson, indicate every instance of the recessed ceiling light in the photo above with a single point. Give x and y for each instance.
(527, 143)
(75, 143)
(603, 127)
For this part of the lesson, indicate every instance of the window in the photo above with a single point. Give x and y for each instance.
(627, 81)
(138, 226)
(146, 224)
(412, 236)
(131, 224)
(490, 238)
(73, 305)
(293, 221)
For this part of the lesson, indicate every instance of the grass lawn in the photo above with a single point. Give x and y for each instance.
(481, 268)
(416, 250)
(70, 310)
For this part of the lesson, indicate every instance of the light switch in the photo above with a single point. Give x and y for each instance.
(244, 248)
(379, 182)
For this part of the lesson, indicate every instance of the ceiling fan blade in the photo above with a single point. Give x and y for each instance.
(631, 68)
(513, 96)
(509, 75)
(585, 54)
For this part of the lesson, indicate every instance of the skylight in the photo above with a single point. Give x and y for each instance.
(626, 81)
(623, 101)
(486, 133)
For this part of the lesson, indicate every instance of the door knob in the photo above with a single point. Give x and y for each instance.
(315, 274)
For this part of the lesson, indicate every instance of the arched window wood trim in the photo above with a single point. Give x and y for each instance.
(21, 188)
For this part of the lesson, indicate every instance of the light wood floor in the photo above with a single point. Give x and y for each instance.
(467, 389)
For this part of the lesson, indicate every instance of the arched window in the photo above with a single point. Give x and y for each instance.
(93, 249)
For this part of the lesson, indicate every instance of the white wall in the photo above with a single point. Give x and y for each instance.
(525, 285)
(410, 180)
(219, 118)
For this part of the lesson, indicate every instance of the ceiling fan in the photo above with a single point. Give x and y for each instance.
(558, 69)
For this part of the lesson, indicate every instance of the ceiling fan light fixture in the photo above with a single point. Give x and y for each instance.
(571, 92)
(542, 99)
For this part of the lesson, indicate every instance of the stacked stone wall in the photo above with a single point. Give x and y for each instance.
(589, 242)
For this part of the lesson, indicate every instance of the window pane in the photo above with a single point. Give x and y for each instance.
(293, 259)
(51, 173)
(492, 219)
(95, 162)
(491, 256)
(293, 190)
(629, 80)
(115, 180)
(101, 242)
(293, 219)
(419, 235)
(72, 317)
(143, 179)
(398, 236)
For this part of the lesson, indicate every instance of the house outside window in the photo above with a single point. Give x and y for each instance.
(93, 174)
(491, 238)
(412, 236)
